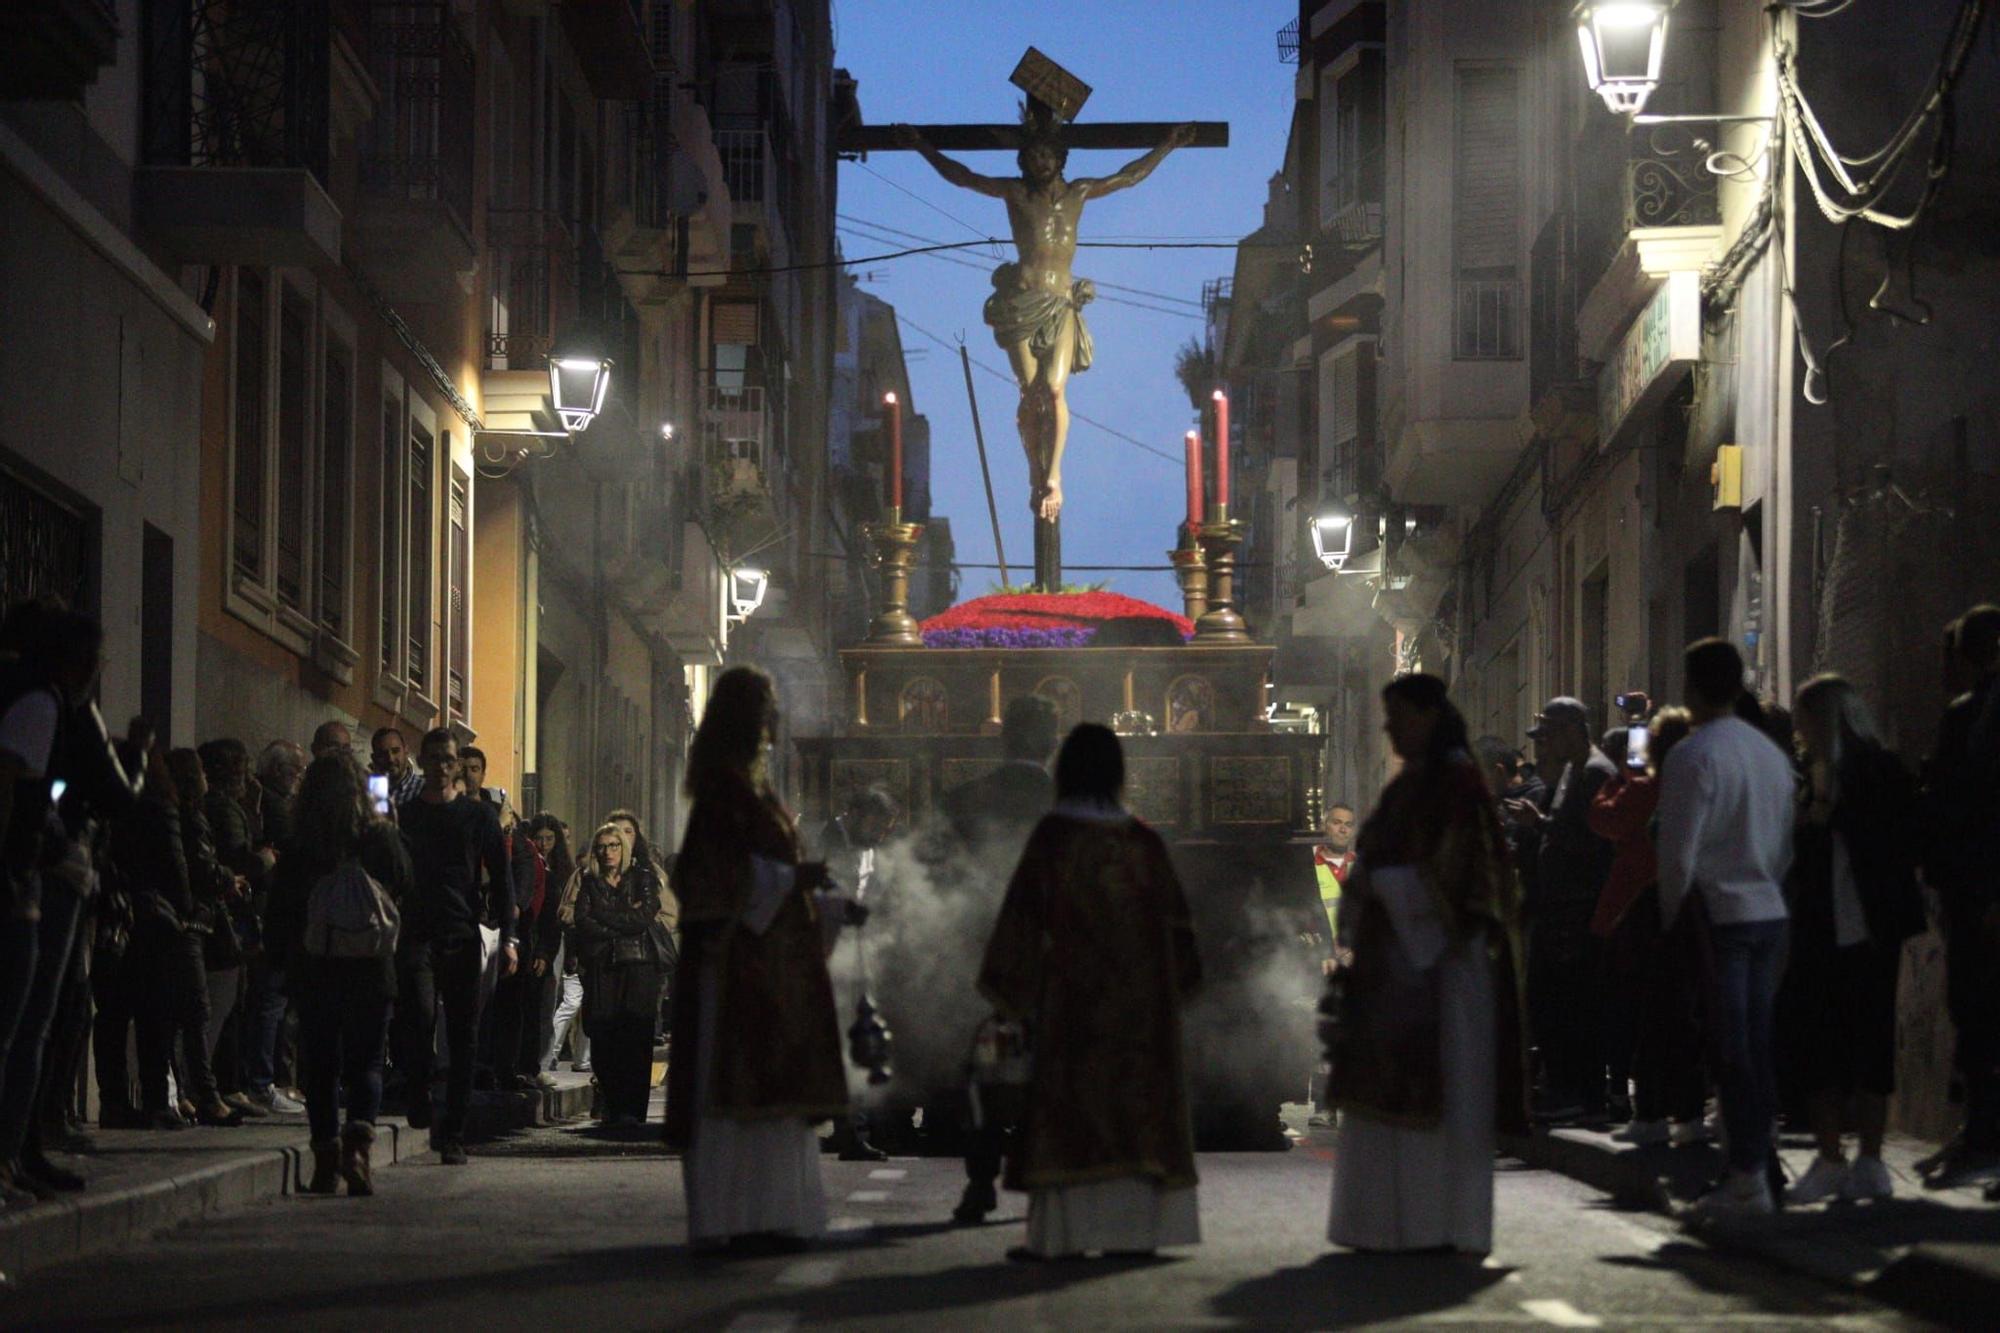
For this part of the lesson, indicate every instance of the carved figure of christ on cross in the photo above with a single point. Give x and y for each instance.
(1036, 310)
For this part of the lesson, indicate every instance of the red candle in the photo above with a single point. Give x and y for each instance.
(1194, 478)
(1221, 449)
(895, 452)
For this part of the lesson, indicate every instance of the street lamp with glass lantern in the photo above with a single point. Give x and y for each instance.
(1624, 43)
(579, 378)
(1333, 537)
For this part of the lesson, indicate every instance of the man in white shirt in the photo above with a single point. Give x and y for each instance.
(1725, 834)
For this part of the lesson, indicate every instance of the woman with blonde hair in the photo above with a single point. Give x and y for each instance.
(1854, 900)
(755, 1035)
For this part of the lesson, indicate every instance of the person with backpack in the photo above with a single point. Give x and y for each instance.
(332, 925)
(450, 837)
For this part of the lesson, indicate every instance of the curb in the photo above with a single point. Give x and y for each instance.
(1940, 1281)
(78, 1226)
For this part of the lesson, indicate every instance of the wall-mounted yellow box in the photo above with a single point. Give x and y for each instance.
(1726, 476)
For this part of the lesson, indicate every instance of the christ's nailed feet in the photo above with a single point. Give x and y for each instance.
(1047, 502)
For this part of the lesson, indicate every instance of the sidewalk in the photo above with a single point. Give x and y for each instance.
(1933, 1252)
(144, 1182)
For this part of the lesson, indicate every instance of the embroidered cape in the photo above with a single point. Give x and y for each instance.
(1095, 950)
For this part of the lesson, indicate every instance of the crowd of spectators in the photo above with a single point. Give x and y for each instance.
(212, 935)
(1717, 898)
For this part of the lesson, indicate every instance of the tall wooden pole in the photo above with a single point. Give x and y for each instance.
(985, 473)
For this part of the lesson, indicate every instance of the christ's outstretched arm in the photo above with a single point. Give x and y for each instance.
(957, 173)
(1139, 168)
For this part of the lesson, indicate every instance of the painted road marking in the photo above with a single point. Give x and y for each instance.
(847, 1226)
(888, 1173)
(1562, 1314)
(810, 1273)
(868, 1196)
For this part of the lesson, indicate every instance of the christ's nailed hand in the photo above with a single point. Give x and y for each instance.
(1182, 135)
(907, 136)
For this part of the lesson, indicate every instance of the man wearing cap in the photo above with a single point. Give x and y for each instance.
(1571, 864)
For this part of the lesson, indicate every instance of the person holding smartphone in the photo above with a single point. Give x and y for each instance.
(1649, 1032)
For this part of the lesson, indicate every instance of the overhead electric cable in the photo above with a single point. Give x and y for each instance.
(901, 235)
(1075, 415)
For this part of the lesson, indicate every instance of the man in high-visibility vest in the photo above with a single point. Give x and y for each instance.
(1333, 861)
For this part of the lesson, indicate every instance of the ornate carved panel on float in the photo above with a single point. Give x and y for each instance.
(1153, 790)
(1068, 699)
(1250, 789)
(1190, 705)
(923, 706)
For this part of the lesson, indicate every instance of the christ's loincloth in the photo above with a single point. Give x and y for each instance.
(1039, 317)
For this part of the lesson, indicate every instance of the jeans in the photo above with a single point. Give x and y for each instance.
(343, 1028)
(172, 1008)
(1565, 1005)
(47, 957)
(517, 1025)
(440, 973)
(568, 1006)
(1749, 959)
(260, 1021)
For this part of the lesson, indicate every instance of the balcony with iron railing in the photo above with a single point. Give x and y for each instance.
(235, 117)
(1645, 205)
(414, 226)
(1353, 201)
(759, 188)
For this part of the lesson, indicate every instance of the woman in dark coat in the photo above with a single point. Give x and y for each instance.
(165, 991)
(1854, 900)
(623, 952)
(215, 889)
(343, 1002)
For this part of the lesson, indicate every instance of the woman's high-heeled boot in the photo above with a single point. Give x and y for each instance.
(357, 1144)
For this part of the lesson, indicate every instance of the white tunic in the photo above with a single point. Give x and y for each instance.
(745, 1177)
(1132, 1213)
(1418, 1189)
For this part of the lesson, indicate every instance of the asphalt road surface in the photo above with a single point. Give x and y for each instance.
(562, 1229)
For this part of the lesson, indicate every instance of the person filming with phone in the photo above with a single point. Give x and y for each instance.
(1571, 865)
(1650, 1031)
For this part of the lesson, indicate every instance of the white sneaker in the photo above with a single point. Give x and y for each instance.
(1741, 1194)
(1687, 1133)
(1868, 1180)
(1823, 1180)
(1644, 1133)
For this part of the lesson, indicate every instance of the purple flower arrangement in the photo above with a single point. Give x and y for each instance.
(1000, 637)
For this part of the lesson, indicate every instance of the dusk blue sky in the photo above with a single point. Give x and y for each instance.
(948, 61)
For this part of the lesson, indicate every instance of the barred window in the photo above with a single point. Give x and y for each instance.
(1486, 213)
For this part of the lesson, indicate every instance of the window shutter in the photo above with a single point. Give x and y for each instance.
(735, 322)
(1486, 212)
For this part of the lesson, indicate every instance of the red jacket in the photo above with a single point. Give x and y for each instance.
(1622, 814)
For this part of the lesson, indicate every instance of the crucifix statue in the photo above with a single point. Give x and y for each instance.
(1036, 309)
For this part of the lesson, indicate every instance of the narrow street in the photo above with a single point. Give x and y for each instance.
(561, 1227)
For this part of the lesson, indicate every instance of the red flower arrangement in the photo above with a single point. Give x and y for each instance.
(1036, 619)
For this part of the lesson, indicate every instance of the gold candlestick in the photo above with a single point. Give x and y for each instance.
(895, 545)
(1219, 537)
(1192, 571)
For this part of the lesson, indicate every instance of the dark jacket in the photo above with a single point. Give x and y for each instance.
(382, 856)
(1877, 818)
(146, 844)
(235, 841)
(630, 911)
(1961, 798)
(1573, 863)
(450, 843)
